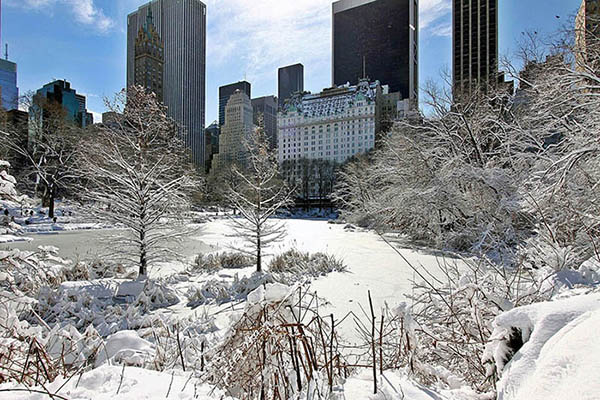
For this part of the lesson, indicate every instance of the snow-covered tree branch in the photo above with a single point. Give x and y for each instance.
(257, 196)
(138, 175)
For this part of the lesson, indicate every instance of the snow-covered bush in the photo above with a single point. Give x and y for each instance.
(294, 265)
(279, 347)
(93, 303)
(100, 269)
(219, 291)
(25, 272)
(219, 261)
(8, 190)
(453, 310)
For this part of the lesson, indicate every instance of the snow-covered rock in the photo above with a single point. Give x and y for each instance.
(127, 348)
(558, 357)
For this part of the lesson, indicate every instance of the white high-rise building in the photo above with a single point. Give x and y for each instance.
(237, 128)
(181, 24)
(333, 125)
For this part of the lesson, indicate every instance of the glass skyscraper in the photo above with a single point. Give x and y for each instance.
(181, 24)
(290, 80)
(474, 44)
(378, 40)
(8, 85)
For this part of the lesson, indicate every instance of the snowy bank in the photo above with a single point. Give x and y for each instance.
(558, 356)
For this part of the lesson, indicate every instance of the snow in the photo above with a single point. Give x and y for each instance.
(556, 360)
(559, 355)
(393, 386)
(103, 383)
(372, 264)
(13, 238)
(126, 347)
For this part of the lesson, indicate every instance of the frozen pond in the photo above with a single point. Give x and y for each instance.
(85, 244)
(372, 264)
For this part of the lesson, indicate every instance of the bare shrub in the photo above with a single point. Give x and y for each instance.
(216, 262)
(279, 348)
(294, 263)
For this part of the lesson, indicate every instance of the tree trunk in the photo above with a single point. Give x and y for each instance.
(51, 203)
(258, 253)
(143, 261)
(143, 272)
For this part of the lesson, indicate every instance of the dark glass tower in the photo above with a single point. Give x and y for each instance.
(266, 107)
(377, 39)
(290, 80)
(474, 44)
(225, 93)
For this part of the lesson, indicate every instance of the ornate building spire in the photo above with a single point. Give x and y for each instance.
(149, 57)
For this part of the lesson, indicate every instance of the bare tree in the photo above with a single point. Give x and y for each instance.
(258, 196)
(138, 175)
(49, 154)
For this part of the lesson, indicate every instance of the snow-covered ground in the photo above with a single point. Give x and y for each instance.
(117, 383)
(557, 335)
(372, 264)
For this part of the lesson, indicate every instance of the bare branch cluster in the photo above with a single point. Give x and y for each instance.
(137, 175)
(257, 195)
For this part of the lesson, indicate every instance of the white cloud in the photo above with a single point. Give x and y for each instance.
(88, 14)
(84, 11)
(430, 14)
(265, 33)
(97, 116)
(259, 34)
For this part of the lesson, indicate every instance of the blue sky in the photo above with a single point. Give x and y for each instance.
(84, 41)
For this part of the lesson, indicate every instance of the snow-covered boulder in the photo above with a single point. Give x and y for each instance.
(558, 354)
(126, 348)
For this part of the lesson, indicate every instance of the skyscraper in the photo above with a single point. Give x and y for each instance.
(266, 108)
(181, 25)
(225, 93)
(474, 44)
(237, 127)
(9, 93)
(377, 39)
(149, 58)
(290, 80)
(60, 93)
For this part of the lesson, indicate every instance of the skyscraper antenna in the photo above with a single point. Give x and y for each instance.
(6, 50)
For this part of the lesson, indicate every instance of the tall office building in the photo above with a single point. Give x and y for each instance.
(181, 24)
(225, 93)
(587, 32)
(377, 39)
(266, 108)
(60, 93)
(9, 93)
(474, 44)
(149, 58)
(290, 80)
(237, 127)
(211, 137)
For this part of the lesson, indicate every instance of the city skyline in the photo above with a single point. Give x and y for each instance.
(94, 42)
